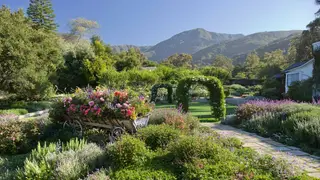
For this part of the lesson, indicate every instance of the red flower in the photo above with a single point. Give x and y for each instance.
(86, 111)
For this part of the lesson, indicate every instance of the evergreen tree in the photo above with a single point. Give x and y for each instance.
(42, 15)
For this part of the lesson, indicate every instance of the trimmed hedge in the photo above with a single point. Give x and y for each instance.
(216, 93)
(154, 92)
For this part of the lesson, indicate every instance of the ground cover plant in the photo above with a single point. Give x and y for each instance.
(286, 121)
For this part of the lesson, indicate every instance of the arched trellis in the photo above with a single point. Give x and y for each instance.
(215, 88)
(154, 91)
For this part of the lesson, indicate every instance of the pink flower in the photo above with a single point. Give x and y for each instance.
(118, 105)
(91, 103)
(125, 105)
(86, 112)
(98, 111)
(101, 99)
(129, 113)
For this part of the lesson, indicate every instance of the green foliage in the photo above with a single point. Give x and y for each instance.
(74, 72)
(114, 79)
(133, 174)
(251, 65)
(271, 89)
(237, 89)
(98, 175)
(29, 57)
(143, 79)
(129, 151)
(179, 60)
(172, 117)
(67, 164)
(154, 92)
(301, 90)
(220, 73)
(42, 15)
(14, 111)
(217, 97)
(20, 136)
(223, 62)
(130, 59)
(158, 136)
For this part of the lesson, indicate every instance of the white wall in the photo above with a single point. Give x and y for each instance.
(305, 72)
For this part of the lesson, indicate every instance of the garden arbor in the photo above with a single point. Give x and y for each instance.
(215, 88)
(154, 91)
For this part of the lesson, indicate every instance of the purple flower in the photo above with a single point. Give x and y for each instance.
(125, 105)
(91, 103)
(118, 105)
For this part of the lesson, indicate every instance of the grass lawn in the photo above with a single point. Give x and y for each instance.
(202, 110)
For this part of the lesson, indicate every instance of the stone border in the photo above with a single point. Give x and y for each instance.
(34, 114)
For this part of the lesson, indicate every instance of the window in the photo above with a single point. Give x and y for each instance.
(292, 78)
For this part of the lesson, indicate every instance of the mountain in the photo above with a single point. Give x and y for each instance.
(120, 48)
(188, 42)
(282, 43)
(240, 46)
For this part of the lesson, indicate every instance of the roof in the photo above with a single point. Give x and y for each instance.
(298, 64)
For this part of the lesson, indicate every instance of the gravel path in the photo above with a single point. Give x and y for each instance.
(305, 161)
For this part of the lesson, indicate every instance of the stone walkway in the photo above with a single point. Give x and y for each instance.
(305, 161)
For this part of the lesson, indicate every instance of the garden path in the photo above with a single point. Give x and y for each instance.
(309, 163)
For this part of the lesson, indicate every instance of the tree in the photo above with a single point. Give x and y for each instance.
(82, 27)
(222, 74)
(273, 62)
(28, 57)
(42, 15)
(179, 60)
(292, 52)
(223, 62)
(129, 60)
(74, 72)
(251, 65)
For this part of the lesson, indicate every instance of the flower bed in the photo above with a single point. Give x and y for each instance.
(286, 121)
(100, 105)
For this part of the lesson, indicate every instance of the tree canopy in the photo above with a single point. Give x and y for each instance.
(29, 57)
(42, 15)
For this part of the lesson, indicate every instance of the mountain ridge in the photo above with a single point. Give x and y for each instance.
(205, 45)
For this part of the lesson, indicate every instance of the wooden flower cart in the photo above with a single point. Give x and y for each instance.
(114, 127)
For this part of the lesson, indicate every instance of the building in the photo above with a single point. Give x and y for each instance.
(298, 72)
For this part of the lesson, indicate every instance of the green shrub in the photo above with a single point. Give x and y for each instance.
(21, 136)
(158, 136)
(301, 90)
(188, 148)
(173, 117)
(13, 111)
(98, 175)
(48, 162)
(304, 128)
(141, 174)
(271, 93)
(237, 89)
(129, 151)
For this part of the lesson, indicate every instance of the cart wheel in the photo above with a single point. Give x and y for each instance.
(66, 124)
(77, 128)
(116, 133)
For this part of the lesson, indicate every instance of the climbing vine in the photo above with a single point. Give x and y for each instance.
(154, 91)
(215, 88)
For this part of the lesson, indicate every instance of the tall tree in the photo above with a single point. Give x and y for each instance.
(42, 15)
(179, 60)
(224, 62)
(28, 57)
(82, 27)
(251, 65)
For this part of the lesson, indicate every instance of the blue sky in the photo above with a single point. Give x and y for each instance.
(147, 22)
